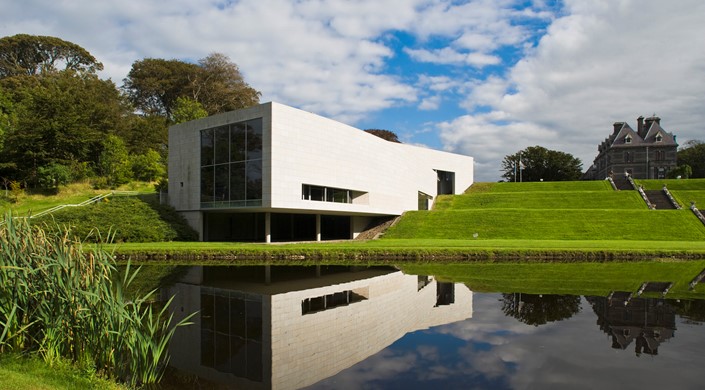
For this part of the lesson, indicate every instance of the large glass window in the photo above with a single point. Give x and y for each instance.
(231, 165)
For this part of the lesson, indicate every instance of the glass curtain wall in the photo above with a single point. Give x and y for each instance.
(231, 165)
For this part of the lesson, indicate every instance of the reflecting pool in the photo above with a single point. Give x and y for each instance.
(343, 327)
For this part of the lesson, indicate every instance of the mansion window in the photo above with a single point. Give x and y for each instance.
(231, 165)
(628, 157)
(628, 139)
(659, 137)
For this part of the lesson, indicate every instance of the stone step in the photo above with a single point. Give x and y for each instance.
(659, 199)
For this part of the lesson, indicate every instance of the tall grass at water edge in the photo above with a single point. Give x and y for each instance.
(63, 302)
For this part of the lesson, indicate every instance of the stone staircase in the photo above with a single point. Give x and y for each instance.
(377, 227)
(622, 183)
(659, 199)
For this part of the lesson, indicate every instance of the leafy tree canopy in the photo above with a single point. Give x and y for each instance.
(384, 134)
(155, 85)
(221, 87)
(28, 55)
(187, 110)
(692, 153)
(6, 113)
(537, 163)
(60, 117)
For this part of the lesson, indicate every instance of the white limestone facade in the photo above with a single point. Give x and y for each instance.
(306, 165)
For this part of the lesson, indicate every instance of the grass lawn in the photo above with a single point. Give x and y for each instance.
(542, 186)
(558, 224)
(672, 184)
(684, 197)
(589, 200)
(23, 373)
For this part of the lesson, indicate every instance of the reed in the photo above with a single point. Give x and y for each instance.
(60, 300)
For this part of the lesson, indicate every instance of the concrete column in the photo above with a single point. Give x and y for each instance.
(268, 227)
(318, 227)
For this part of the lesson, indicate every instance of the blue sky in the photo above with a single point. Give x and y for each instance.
(484, 78)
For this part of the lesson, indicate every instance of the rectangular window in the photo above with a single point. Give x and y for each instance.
(238, 133)
(207, 147)
(254, 139)
(238, 182)
(222, 144)
(328, 194)
(254, 179)
(222, 183)
(207, 183)
(231, 165)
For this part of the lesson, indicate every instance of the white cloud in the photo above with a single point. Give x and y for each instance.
(448, 55)
(597, 63)
(430, 103)
(602, 62)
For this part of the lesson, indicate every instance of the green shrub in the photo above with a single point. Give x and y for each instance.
(52, 176)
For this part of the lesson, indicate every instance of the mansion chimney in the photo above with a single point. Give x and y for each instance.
(640, 126)
(650, 120)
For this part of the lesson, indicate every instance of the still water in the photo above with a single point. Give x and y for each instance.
(331, 327)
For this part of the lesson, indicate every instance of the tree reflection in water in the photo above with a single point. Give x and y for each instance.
(539, 309)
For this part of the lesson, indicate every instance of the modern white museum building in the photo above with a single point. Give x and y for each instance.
(276, 173)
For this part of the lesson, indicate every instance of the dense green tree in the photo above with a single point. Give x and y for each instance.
(145, 132)
(188, 109)
(24, 54)
(114, 163)
(683, 171)
(537, 163)
(148, 166)
(6, 114)
(693, 153)
(154, 84)
(220, 86)
(60, 117)
(384, 134)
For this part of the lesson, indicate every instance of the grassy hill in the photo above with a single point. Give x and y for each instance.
(585, 210)
(137, 217)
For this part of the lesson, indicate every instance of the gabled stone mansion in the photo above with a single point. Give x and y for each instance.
(649, 152)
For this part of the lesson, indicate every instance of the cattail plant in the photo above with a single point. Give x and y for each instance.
(64, 301)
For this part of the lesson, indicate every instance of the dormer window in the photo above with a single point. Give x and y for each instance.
(628, 139)
(659, 138)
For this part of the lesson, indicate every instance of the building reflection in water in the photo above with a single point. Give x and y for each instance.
(289, 327)
(645, 321)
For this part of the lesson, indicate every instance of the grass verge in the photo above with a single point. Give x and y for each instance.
(391, 250)
(19, 372)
